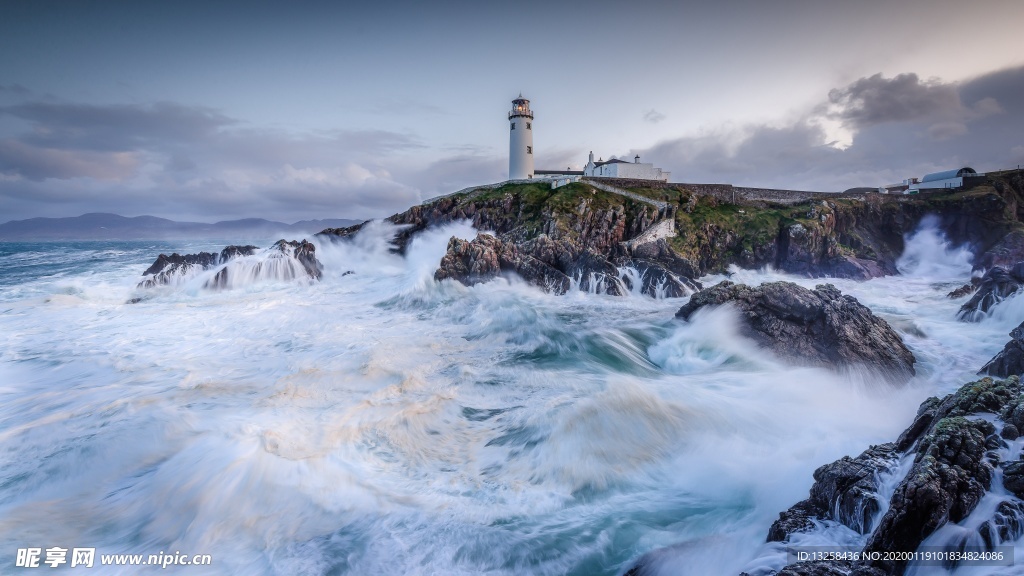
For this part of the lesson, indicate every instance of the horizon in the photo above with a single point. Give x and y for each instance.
(112, 112)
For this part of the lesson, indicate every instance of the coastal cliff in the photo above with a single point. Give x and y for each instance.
(857, 236)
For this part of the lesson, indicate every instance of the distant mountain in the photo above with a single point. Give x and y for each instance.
(102, 226)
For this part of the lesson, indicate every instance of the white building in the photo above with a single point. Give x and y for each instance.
(520, 148)
(615, 168)
(947, 179)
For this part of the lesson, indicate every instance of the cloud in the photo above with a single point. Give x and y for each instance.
(653, 116)
(18, 159)
(898, 127)
(193, 161)
(877, 100)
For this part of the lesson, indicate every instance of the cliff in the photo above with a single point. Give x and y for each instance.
(836, 235)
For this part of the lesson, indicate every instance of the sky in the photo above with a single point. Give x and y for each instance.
(208, 111)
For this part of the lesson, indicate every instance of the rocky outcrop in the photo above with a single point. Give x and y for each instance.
(996, 285)
(846, 491)
(948, 479)
(486, 257)
(276, 263)
(279, 263)
(304, 252)
(953, 467)
(168, 269)
(1010, 361)
(556, 264)
(817, 327)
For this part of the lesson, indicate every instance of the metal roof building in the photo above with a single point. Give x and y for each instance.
(945, 179)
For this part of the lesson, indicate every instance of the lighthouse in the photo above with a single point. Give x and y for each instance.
(520, 143)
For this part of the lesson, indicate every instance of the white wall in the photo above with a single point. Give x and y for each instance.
(520, 163)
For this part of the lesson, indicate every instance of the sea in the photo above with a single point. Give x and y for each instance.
(380, 422)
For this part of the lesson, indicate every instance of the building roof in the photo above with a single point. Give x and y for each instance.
(566, 172)
(947, 174)
(612, 161)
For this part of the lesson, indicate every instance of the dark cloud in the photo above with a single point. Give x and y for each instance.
(900, 127)
(876, 100)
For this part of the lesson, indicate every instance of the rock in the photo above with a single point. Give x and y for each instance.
(1010, 432)
(1006, 525)
(1010, 361)
(996, 285)
(167, 268)
(948, 479)
(270, 268)
(486, 257)
(1013, 412)
(820, 327)
(1013, 477)
(304, 252)
(845, 491)
(951, 472)
(799, 518)
(962, 291)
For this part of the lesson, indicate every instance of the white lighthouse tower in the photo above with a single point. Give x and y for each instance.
(520, 148)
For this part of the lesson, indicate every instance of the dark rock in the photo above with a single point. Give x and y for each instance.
(165, 268)
(1007, 252)
(996, 285)
(1013, 412)
(951, 472)
(304, 252)
(656, 280)
(1010, 361)
(1013, 477)
(595, 273)
(948, 479)
(820, 327)
(1006, 525)
(845, 491)
(486, 257)
(1010, 432)
(799, 518)
(962, 291)
(848, 488)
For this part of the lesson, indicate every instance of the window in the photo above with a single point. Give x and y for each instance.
(529, 126)
(513, 125)
(529, 149)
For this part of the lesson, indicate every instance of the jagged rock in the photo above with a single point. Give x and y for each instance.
(655, 280)
(798, 518)
(304, 252)
(951, 472)
(166, 268)
(1013, 477)
(1006, 525)
(845, 491)
(820, 327)
(486, 257)
(1010, 360)
(962, 291)
(995, 286)
(948, 479)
